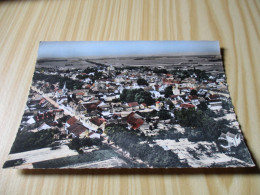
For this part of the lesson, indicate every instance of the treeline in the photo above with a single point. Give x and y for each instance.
(137, 95)
(201, 74)
(96, 74)
(53, 79)
(201, 125)
(78, 143)
(26, 141)
(155, 156)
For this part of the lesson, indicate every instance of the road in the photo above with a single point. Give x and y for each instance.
(115, 148)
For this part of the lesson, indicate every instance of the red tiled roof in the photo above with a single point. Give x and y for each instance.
(193, 97)
(88, 86)
(80, 93)
(138, 123)
(187, 105)
(72, 120)
(77, 129)
(97, 121)
(42, 101)
(91, 106)
(135, 122)
(132, 104)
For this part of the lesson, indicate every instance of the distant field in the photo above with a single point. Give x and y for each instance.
(207, 63)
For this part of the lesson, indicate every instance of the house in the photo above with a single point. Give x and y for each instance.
(46, 104)
(144, 127)
(78, 130)
(49, 115)
(80, 95)
(81, 109)
(158, 105)
(134, 120)
(111, 97)
(143, 106)
(230, 139)
(71, 121)
(187, 105)
(42, 101)
(156, 94)
(91, 105)
(215, 105)
(175, 90)
(58, 113)
(103, 106)
(96, 123)
(94, 135)
(36, 99)
(188, 82)
(132, 106)
(31, 120)
(44, 126)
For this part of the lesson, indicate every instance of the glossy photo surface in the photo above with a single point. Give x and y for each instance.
(129, 104)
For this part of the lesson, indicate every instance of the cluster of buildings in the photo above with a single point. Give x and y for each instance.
(86, 112)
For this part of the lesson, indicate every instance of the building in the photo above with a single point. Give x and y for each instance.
(134, 120)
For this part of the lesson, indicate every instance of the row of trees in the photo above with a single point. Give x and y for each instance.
(201, 74)
(53, 79)
(155, 156)
(77, 143)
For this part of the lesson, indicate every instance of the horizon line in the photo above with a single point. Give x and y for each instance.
(101, 49)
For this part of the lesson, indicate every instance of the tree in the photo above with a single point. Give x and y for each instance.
(144, 97)
(86, 142)
(164, 115)
(193, 92)
(26, 141)
(203, 106)
(75, 144)
(189, 117)
(136, 95)
(142, 81)
(226, 105)
(168, 92)
(171, 106)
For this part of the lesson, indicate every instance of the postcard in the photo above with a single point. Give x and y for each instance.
(129, 104)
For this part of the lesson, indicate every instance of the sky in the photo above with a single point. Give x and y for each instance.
(73, 49)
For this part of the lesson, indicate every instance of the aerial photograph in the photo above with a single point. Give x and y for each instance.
(129, 104)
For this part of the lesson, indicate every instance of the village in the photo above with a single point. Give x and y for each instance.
(167, 110)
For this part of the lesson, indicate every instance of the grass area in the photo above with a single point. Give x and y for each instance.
(99, 155)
